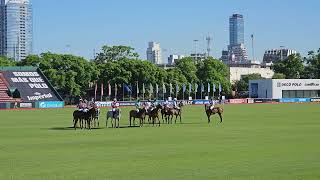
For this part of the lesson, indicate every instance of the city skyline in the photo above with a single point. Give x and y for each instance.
(130, 24)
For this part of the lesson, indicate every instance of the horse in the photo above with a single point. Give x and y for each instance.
(141, 115)
(170, 112)
(115, 116)
(154, 114)
(95, 118)
(83, 116)
(215, 110)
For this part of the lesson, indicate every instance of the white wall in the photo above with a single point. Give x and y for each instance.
(274, 87)
(237, 72)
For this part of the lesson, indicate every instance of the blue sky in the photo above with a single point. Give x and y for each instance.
(80, 26)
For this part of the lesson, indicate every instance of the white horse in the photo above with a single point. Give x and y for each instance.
(115, 116)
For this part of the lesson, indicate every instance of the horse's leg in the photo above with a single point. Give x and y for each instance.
(220, 115)
(208, 115)
(175, 121)
(107, 121)
(75, 121)
(158, 120)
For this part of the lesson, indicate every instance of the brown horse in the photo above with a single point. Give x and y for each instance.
(215, 110)
(154, 114)
(141, 115)
(170, 112)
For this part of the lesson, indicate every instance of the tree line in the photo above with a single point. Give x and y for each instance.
(116, 66)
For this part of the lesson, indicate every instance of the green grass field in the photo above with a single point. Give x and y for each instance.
(254, 142)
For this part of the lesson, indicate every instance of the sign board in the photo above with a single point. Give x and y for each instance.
(25, 105)
(31, 85)
(51, 104)
(237, 101)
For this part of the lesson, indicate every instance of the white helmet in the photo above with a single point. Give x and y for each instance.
(175, 99)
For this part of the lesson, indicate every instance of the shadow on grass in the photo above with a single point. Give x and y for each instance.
(72, 128)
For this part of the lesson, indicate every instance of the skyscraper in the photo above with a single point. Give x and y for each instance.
(16, 33)
(236, 28)
(237, 52)
(154, 53)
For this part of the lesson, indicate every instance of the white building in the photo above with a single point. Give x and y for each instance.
(154, 53)
(274, 55)
(284, 88)
(172, 59)
(236, 73)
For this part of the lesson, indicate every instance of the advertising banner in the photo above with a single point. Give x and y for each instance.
(51, 104)
(294, 100)
(237, 101)
(26, 105)
(315, 100)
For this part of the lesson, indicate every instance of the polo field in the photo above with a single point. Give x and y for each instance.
(254, 141)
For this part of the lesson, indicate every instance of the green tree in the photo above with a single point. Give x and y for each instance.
(243, 84)
(292, 67)
(278, 76)
(214, 71)
(4, 61)
(71, 75)
(312, 70)
(188, 68)
(116, 53)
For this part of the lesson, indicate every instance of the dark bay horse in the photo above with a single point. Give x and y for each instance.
(141, 115)
(154, 114)
(83, 116)
(215, 110)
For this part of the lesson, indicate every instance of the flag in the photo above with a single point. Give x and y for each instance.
(214, 88)
(137, 88)
(209, 88)
(109, 87)
(164, 89)
(143, 89)
(127, 88)
(220, 88)
(177, 88)
(95, 91)
(157, 88)
(202, 87)
(151, 89)
(101, 90)
(184, 88)
(196, 87)
(115, 89)
(190, 87)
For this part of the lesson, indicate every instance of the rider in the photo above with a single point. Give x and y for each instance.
(212, 104)
(138, 105)
(115, 105)
(166, 103)
(175, 104)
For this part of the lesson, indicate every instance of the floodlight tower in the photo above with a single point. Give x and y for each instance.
(209, 40)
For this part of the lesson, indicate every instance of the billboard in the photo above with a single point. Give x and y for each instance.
(51, 104)
(31, 85)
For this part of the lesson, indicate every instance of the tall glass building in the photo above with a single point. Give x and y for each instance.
(236, 25)
(16, 29)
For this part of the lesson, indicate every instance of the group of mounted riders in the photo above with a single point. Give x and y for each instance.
(88, 112)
